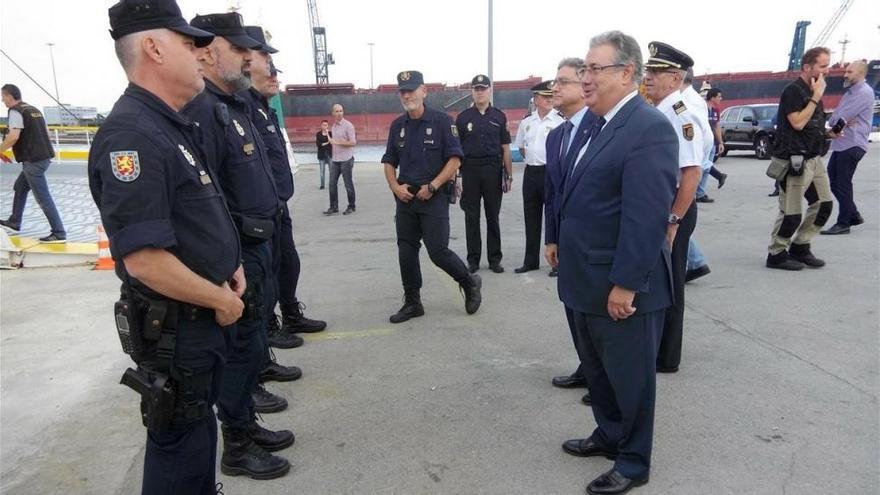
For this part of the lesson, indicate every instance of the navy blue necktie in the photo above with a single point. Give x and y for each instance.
(567, 126)
(594, 133)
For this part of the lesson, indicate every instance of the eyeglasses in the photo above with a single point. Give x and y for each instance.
(563, 82)
(596, 69)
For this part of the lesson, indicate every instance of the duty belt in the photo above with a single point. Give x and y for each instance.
(483, 160)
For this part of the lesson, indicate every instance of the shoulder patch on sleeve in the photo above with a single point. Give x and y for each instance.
(679, 107)
(126, 165)
(455, 130)
(687, 130)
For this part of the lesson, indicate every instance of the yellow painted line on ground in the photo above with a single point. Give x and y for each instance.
(34, 246)
(315, 337)
(73, 155)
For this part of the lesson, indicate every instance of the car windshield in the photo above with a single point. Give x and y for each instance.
(766, 113)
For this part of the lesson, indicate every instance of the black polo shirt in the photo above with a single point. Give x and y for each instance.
(482, 134)
(810, 141)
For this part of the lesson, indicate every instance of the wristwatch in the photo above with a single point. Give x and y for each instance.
(431, 188)
(674, 219)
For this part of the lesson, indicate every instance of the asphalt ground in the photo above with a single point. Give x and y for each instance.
(777, 392)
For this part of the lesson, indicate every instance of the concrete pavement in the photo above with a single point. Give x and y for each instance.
(777, 391)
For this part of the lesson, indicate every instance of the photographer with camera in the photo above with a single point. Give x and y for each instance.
(796, 162)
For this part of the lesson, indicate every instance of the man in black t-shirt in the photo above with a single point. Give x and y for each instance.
(800, 143)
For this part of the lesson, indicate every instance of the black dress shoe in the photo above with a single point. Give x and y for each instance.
(280, 373)
(524, 269)
(696, 273)
(774, 193)
(613, 483)
(704, 199)
(722, 180)
(331, 211)
(473, 268)
(569, 381)
(587, 399)
(586, 447)
(667, 369)
(349, 210)
(858, 220)
(553, 273)
(836, 229)
(496, 267)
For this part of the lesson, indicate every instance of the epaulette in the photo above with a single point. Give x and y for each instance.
(679, 107)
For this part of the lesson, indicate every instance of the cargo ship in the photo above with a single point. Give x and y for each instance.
(372, 110)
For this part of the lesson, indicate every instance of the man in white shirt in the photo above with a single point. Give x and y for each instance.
(531, 138)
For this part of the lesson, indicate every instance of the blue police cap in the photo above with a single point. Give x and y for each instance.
(542, 88)
(256, 32)
(229, 26)
(409, 80)
(481, 81)
(134, 16)
(663, 56)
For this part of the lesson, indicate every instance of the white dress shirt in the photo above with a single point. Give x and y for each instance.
(532, 136)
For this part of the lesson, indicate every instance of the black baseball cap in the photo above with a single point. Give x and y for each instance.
(410, 80)
(134, 16)
(228, 25)
(256, 32)
(481, 81)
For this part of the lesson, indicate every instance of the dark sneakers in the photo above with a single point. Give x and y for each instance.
(10, 225)
(53, 239)
(704, 199)
(801, 252)
(242, 456)
(331, 211)
(412, 308)
(279, 338)
(472, 293)
(267, 402)
(836, 229)
(349, 210)
(294, 321)
(782, 261)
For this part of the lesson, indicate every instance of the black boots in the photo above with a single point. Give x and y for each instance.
(293, 320)
(269, 440)
(472, 295)
(801, 252)
(267, 402)
(278, 337)
(242, 456)
(412, 307)
(782, 261)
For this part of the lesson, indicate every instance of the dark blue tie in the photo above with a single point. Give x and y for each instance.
(567, 126)
(594, 133)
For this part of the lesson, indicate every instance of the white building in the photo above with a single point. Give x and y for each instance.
(58, 116)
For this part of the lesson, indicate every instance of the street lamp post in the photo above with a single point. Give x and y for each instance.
(371, 64)
(54, 76)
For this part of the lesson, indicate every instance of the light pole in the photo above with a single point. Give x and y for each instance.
(371, 64)
(54, 76)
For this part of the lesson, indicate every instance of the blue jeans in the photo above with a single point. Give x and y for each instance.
(33, 178)
(707, 166)
(695, 256)
(323, 165)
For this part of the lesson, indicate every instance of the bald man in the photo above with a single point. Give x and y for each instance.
(343, 140)
(855, 108)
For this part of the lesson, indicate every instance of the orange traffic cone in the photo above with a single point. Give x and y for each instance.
(105, 260)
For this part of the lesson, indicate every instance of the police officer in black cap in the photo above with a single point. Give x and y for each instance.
(237, 153)
(286, 269)
(486, 172)
(176, 247)
(421, 159)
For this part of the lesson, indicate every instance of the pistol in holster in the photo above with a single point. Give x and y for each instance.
(157, 393)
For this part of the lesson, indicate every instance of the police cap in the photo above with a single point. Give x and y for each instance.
(409, 80)
(480, 81)
(228, 25)
(665, 56)
(542, 88)
(256, 32)
(134, 16)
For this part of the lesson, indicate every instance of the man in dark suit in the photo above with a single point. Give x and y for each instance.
(562, 146)
(614, 267)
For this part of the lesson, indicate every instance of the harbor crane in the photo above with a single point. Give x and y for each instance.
(800, 35)
(319, 45)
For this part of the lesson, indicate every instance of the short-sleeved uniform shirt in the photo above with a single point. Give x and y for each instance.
(419, 148)
(482, 134)
(687, 128)
(532, 135)
(265, 119)
(810, 141)
(236, 151)
(154, 189)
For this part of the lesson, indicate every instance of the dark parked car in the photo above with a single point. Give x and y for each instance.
(749, 127)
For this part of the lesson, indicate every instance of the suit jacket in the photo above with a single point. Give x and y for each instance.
(556, 172)
(613, 214)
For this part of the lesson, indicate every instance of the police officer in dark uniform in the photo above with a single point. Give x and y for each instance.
(486, 172)
(176, 247)
(421, 159)
(237, 153)
(264, 79)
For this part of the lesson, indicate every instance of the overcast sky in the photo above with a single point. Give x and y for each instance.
(445, 39)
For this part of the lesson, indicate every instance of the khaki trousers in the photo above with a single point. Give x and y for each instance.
(791, 223)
